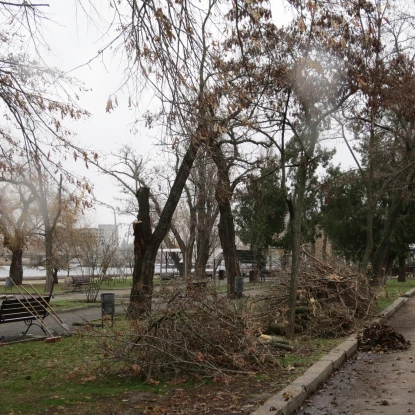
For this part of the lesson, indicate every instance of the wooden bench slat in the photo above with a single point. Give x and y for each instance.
(79, 281)
(24, 309)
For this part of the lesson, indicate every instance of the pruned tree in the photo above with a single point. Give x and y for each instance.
(170, 44)
(131, 172)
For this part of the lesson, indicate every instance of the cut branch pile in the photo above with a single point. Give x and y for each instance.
(201, 333)
(381, 337)
(333, 298)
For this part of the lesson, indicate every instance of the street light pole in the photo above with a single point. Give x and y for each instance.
(115, 218)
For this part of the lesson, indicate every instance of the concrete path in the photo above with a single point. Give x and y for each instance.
(349, 382)
(373, 383)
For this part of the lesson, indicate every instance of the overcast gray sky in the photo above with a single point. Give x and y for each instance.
(74, 40)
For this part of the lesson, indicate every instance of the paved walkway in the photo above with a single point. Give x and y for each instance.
(373, 383)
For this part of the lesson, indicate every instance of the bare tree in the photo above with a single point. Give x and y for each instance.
(18, 223)
(48, 197)
(35, 99)
(30, 91)
(169, 43)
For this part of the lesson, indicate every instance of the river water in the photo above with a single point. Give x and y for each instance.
(40, 273)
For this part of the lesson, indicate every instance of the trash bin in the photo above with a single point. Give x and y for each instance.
(221, 274)
(239, 286)
(108, 306)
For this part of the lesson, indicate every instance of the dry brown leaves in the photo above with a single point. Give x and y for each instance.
(381, 337)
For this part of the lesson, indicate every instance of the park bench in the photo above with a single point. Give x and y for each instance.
(31, 311)
(80, 281)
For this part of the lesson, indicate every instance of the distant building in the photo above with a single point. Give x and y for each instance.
(89, 232)
(107, 235)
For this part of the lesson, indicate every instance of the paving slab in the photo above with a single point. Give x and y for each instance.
(363, 383)
(373, 383)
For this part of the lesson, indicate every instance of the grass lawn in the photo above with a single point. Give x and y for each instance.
(59, 288)
(68, 378)
(392, 290)
(31, 288)
(69, 304)
(37, 376)
(61, 305)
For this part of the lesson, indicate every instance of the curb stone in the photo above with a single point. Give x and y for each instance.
(389, 311)
(290, 399)
(410, 293)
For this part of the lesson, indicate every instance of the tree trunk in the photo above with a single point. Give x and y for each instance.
(295, 225)
(227, 240)
(48, 260)
(313, 249)
(16, 267)
(203, 229)
(202, 253)
(141, 292)
(369, 180)
(389, 264)
(55, 276)
(145, 256)
(189, 256)
(384, 244)
(186, 248)
(402, 268)
(223, 195)
(369, 238)
(175, 256)
(324, 247)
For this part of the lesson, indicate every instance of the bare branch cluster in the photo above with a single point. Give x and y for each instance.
(198, 332)
(334, 299)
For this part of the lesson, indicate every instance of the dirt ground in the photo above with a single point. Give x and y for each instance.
(373, 383)
(234, 395)
(240, 396)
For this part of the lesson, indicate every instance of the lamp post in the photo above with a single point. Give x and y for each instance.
(115, 218)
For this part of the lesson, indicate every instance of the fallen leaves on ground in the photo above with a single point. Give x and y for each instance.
(381, 338)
